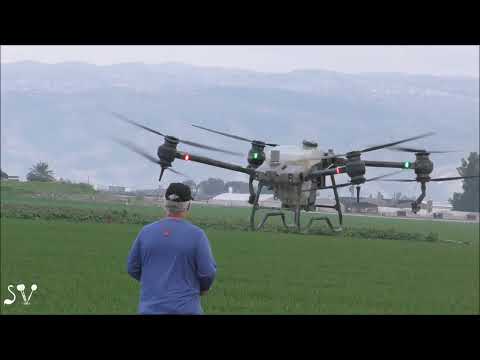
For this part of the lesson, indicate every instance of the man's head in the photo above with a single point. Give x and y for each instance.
(177, 200)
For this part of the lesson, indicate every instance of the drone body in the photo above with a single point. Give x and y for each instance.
(284, 170)
(296, 173)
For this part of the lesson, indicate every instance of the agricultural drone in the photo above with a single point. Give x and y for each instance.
(295, 174)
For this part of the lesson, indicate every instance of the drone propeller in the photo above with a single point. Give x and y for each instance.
(435, 179)
(350, 183)
(186, 142)
(382, 146)
(423, 151)
(378, 147)
(178, 173)
(144, 154)
(233, 136)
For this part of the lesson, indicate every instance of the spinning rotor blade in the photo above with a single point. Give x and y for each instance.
(174, 171)
(124, 118)
(436, 179)
(144, 154)
(405, 149)
(350, 184)
(400, 180)
(136, 149)
(211, 148)
(178, 173)
(229, 135)
(191, 143)
(222, 133)
(383, 176)
(455, 178)
(378, 147)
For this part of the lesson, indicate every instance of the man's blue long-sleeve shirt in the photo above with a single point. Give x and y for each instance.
(173, 261)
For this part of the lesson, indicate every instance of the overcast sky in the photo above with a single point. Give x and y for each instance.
(434, 60)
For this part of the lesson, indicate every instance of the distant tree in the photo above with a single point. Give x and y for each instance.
(4, 175)
(86, 186)
(40, 172)
(469, 199)
(211, 187)
(239, 187)
(192, 185)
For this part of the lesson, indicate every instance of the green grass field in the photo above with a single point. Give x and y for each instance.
(80, 268)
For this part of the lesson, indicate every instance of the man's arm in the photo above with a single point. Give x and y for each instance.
(134, 263)
(206, 265)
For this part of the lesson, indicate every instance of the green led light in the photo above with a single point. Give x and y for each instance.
(255, 155)
(407, 164)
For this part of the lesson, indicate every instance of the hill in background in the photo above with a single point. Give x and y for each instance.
(58, 114)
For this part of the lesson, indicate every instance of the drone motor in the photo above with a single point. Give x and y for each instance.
(256, 155)
(355, 168)
(166, 151)
(423, 166)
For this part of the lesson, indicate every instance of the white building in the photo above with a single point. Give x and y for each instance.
(439, 206)
(232, 199)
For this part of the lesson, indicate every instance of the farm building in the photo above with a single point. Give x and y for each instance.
(364, 206)
(116, 189)
(268, 200)
(439, 206)
(232, 199)
(327, 201)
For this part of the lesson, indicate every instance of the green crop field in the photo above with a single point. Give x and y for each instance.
(79, 262)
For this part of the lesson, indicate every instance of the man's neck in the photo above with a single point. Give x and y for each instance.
(180, 216)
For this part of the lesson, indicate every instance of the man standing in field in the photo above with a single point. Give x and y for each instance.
(172, 259)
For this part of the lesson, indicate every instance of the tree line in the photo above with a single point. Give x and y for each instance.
(468, 200)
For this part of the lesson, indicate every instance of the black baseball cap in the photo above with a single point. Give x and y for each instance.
(178, 192)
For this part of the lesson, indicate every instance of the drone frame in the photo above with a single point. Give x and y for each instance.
(350, 163)
(296, 212)
(296, 226)
(331, 172)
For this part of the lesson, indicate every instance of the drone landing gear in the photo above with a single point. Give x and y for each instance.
(289, 227)
(296, 227)
(416, 204)
(324, 218)
(255, 197)
(337, 207)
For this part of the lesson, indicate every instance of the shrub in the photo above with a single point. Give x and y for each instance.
(124, 216)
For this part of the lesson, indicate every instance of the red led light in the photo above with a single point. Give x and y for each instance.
(338, 170)
(186, 157)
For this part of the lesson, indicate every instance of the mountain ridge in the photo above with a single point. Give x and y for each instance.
(340, 111)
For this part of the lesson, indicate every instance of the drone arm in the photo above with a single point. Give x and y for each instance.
(388, 164)
(212, 162)
(318, 173)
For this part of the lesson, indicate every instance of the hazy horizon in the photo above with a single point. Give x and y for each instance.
(439, 91)
(452, 61)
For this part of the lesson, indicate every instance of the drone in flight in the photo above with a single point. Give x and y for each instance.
(295, 174)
